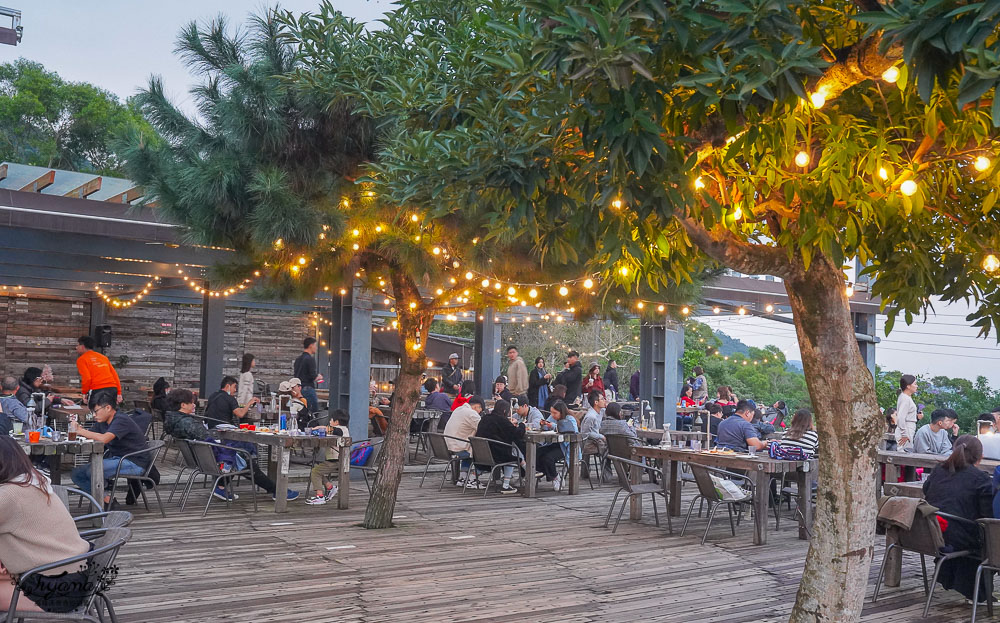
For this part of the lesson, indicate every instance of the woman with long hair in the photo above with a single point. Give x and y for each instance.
(958, 487)
(498, 426)
(558, 394)
(538, 383)
(160, 402)
(725, 399)
(593, 380)
(801, 433)
(244, 390)
(35, 529)
(685, 400)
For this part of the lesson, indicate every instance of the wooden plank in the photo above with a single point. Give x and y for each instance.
(40, 183)
(86, 189)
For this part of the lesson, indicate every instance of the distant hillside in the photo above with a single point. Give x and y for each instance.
(731, 346)
(794, 366)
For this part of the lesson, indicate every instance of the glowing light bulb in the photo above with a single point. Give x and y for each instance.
(769, 308)
(737, 213)
(685, 310)
(413, 305)
(818, 99)
(356, 233)
(981, 163)
(378, 229)
(511, 290)
(699, 183)
(436, 250)
(908, 188)
(497, 285)
(414, 218)
(660, 308)
(532, 293)
(891, 75)
(624, 271)
(716, 310)
(588, 284)
(991, 263)
(563, 291)
(485, 283)
(468, 275)
(802, 159)
(617, 204)
(882, 173)
(742, 312)
(640, 305)
(849, 290)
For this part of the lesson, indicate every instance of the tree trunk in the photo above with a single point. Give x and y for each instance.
(849, 425)
(412, 324)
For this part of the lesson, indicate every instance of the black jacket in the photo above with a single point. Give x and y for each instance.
(500, 429)
(573, 380)
(23, 395)
(611, 379)
(535, 383)
(450, 378)
(304, 369)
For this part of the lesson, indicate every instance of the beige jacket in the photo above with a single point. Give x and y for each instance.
(517, 377)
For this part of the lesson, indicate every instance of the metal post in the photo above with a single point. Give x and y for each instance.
(98, 317)
(864, 324)
(661, 348)
(323, 352)
(351, 357)
(213, 333)
(487, 345)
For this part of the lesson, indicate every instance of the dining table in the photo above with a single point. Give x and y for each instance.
(532, 441)
(54, 451)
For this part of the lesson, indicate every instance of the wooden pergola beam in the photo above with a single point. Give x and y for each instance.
(127, 196)
(44, 181)
(86, 189)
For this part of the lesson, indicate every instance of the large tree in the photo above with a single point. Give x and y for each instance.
(49, 122)
(780, 138)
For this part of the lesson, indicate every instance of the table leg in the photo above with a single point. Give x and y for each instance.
(894, 562)
(761, 494)
(891, 473)
(674, 485)
(804, 502)
(272, 464)
(344, 479)
(574, 466)
(281, 455)
(635, 505)
(530, 461)
(97, 476)
(55, 468)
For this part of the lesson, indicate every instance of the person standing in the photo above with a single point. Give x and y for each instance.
(451, 376)
(572, 377)
(906, 413)
(244, 388)
(97, 376)
(305, 370)
(538, 384)
(593, 380)
(517, 372)
(699, 385)
(633, 386)
(611, 377)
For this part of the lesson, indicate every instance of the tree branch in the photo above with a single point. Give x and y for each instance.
(856, 63)
(723, 246)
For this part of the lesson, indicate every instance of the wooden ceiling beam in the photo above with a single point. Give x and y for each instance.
(44, 181)
(86, 189)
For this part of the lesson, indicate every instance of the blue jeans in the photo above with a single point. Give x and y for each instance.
(309, 393)
(81, 475)
(466, 459)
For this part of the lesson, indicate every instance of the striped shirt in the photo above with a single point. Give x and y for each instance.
(809, 441)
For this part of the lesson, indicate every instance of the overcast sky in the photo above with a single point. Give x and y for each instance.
(118, 44)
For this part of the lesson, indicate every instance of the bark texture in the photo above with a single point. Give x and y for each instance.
(414, 326)
(848, 422)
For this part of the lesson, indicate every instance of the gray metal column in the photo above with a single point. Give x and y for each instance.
(351, 357)
(213, 333)
(660, 371)
(323, 352)
(487, 355)
(98, 316)
(864, 324)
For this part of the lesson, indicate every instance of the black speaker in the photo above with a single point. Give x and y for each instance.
(102, 335)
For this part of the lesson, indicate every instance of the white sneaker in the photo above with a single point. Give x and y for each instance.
(332, 492)
(557, 484)
(475, 484)
(316, 500)
(460, 482)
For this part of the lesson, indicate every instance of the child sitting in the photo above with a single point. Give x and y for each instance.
(320, 476)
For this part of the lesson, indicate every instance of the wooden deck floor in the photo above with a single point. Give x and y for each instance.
(461, 558)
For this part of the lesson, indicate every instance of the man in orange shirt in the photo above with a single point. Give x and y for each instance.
(97, 375)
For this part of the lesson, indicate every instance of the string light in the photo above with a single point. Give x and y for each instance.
(769, 308)
(737, 213)
(818, 99)
(891, 75)
(849, 290)
(617, 204)
(563, 291)
(802, 159)
(685, 310)
(882, 173)
(991, 263)
(908, 188)
(699, 183)
(981, 163)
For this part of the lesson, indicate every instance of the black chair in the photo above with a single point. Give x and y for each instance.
(990, 537)
(371, 465)
(153, 450)
(323, 420)
(99, 563)
(439, 453)
(143, 419)
(482, 456)
(207, 464)
(190, 463)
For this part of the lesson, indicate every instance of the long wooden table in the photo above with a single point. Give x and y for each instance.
(532, 439)
(759, 469)
(62, 415)
(278, 459)
(683, 436)
(55, 452)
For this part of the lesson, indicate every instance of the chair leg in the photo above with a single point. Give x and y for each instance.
(711, 517)
(426, 467)
(881, 571)
(212, 495)
(687, 518)
(656, 513)
(621, 512)
(614, 502)
(159, 502)
(923, 567)
(975, 593)
(732, 526)
(666, 507)
(142, 492)
(444, 476)
(937, 569)
(989, 591)
(176, 482)
(111, 609)
(489, 481)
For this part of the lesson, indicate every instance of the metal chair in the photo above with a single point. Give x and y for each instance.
(989, 532)
(323, 420)
(623, 469)
(425, 417)
(710, 495)
(370, 466)
(619, 445)
(63, 492)
(207, 464)
(190, 463)
(98, 562)
(439, 452)
(598, 461)
(925, 538)
(153, 449)
(482, 456)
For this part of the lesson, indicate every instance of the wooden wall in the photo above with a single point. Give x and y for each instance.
(159, 339)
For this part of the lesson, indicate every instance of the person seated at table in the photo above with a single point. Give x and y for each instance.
(436, 399)
(298, 404)
(590, 427)
(988, 436)
(800, 433)
(468, 390)
(528, 414)
(763, 428)
(179, 421)
(319, 477)
(933, 438)
(958, 487)
(714, 417)
(379, 422)
(31, 383)
(36, 529)
(10, 405)
(121, 436)
(463, 423)
(561, 421)
(498, 425)
(613, 424)
(737, 433)
(500, 391)
(557, 394)
(160, 402)
(725, 399)
(685, 400)
(222, 407)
